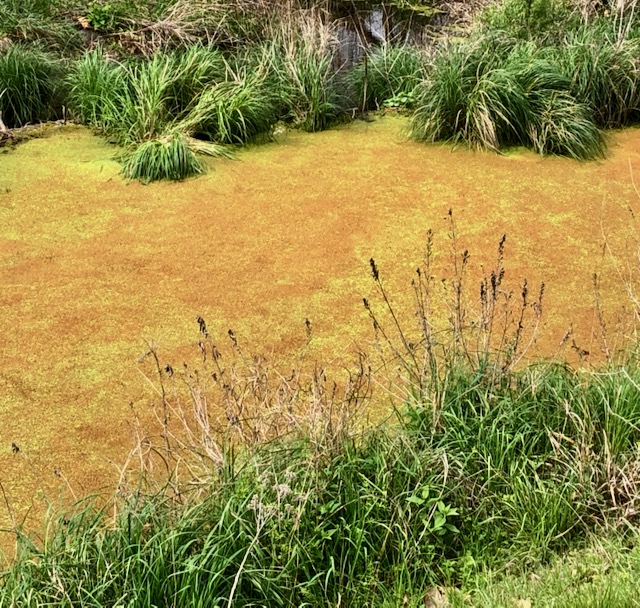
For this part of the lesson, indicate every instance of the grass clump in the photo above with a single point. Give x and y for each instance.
(39, 22)
(232, 112)
(29, 86)
(601, 575)
(299, 61)
(564, 127)
(544, 20)
(156, 107)
(169, 157)
(604, 73)
(494, 94)
(94, 83)
(547, 74)
(387, 76)
(161, 107)
(495, 476)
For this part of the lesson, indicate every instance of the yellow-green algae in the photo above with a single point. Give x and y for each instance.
(93, 268)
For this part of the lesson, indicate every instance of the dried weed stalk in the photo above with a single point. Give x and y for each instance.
(204, 414)
(490, 334)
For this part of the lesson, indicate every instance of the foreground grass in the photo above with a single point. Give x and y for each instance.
(491, 473)
(603, 574)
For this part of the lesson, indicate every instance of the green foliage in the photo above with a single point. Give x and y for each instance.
(94, 83)
(563, 126)
(109, 16)
(210, 96)
(196, 68)
(168, 157)
(155, 107)
(388, 77)
(546, 20)
(28, 86)
(504, 470)
(233, 111)
(497, 92)
(298, 65)
(312, 94)
(39, 21)
(143, 103)
(601, 575)
(605, 74)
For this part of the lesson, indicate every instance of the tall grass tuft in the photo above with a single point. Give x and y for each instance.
(604, 73)
(564, 126)
(544, 20)
(29, 86)
(196, 68)
(299, 59)
(94, 83)
(154, 108)
(143, 104)
(233, 111)
(169, 157)
(497, 95)
(389, 74)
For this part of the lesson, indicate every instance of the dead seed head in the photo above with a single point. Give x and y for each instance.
(374, 270)
(203, 325)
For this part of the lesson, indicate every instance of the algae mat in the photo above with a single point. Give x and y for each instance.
(93, 268)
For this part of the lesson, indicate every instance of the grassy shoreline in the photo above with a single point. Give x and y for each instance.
(476, 485)
(551, 75)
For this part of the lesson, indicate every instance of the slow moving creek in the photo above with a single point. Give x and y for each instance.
(92, 268)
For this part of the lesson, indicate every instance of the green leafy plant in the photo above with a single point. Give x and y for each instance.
(108, 16)
(497, 93)
(402, 100)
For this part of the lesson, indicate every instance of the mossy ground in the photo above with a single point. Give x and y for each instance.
(93, 267)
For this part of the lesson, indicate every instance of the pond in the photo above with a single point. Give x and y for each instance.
(93, 269)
